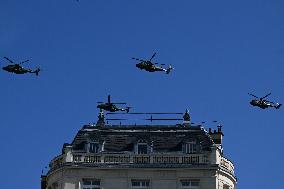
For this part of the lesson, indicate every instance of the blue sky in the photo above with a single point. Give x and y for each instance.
(221, 50)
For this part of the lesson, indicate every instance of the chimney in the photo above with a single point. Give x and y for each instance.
(217, 135)
(210, 131)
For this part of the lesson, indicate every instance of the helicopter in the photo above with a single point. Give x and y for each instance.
(111, 106)
(262, 103)
(18, 69)
(150, 66)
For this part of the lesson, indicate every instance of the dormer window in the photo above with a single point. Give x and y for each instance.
(189, 147)
(141, 147)
(93, 147)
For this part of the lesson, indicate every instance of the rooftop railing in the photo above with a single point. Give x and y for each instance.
(141, 158)
(154, 158)
(132, 159)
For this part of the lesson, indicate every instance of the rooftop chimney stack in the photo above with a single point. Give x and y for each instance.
(217, 135)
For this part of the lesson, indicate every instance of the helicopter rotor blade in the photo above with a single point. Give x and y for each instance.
(138, 59)
(118, 103)
(114, 119)
(147, 113)
(253, 95)
(24, 61)
(159, 64)
(266, 96)
(9, 60)
(153, 56)
(269, 101)
(162, 119)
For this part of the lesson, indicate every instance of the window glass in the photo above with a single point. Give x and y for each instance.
(96, 182)
(140, 184)
(142, 149)
(87, 182)
(94, 147)
(189, 184)
(190, 148)
(91, 184)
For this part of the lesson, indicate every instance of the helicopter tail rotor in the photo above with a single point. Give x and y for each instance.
(127, 109)
(37, 71)
(170, 68)
(278, 105)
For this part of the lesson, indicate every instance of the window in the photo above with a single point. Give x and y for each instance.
(189, 184)
(142, 148)
(140, 184)
(91, 184)
(189, 148)
(93, 147)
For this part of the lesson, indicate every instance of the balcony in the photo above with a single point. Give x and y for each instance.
(227, 164)
(141, 158)
(155, 158)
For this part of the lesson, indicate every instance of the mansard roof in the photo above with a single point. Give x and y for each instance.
(121, 138)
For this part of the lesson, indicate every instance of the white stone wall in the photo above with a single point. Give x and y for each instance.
(71, 178)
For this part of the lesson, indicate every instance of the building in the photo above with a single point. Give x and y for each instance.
(178, 156)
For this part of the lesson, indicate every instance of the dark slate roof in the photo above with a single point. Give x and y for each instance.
(164, 138)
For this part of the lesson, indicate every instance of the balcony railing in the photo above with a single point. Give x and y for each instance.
(141, 158)
(56, 162)
(227, 164)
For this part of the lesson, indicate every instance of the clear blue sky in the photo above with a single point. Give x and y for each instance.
(221, 50)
